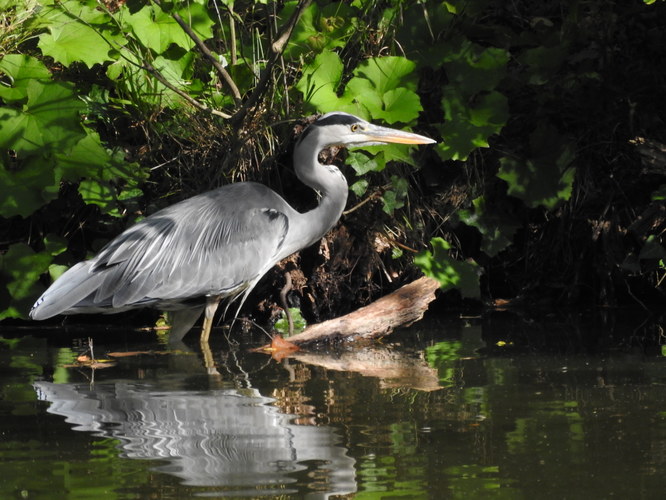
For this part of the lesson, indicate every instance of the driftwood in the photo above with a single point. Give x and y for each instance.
(400, 308)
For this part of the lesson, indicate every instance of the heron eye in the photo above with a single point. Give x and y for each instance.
(355, 127)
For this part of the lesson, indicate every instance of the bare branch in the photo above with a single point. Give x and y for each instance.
(277, 47)
(155, 72)
(208, 54)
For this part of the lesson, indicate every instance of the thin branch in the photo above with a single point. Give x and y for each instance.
(155, 72)
(277, 47)
(209, 55)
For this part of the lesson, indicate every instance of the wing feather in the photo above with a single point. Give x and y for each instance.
(219, 242)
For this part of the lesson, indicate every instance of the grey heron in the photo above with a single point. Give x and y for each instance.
(215, 246)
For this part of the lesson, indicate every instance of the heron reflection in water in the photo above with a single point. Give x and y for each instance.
(216, 246)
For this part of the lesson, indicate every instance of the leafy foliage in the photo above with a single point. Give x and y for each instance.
(451, 273)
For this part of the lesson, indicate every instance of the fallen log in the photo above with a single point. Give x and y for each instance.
(403, 307)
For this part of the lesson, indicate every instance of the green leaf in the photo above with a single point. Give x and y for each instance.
(55, 245)
(77, 33)
(22, 267)
(360, 187)
(384, 86)
(282, 324)
(473, 69)
(363, 162)
(496, 228)
(158, 30)
(450, 273)
(382, 74)
(21, 69)
(652, 249)
(50, 119)
(659, 194)
(468, 126)
(545, 178)
(394, 198)
(320, 82)
(24, 190)
(319, 29)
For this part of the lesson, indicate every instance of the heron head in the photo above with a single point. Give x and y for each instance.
(342, 129)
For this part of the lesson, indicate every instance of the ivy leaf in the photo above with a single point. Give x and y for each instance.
(450, 273)
(394, 198)
(360, 187)
(362, 162)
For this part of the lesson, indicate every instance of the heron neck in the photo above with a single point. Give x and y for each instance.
(332, 188)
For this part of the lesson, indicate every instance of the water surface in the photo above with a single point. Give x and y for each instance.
(492, 407)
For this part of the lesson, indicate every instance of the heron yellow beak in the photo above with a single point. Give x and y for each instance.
(389, 135)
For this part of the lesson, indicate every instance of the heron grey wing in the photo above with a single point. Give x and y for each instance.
(72, 287)
(226, 261)
(207, 244)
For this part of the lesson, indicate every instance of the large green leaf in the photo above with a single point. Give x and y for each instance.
(450, 273)
(473, 68)
(469, 125)
(384, 86)
(319, 28)
(320, 82)
(50, 118)
(157, 30)
(77, 32)
(382, 74)
(21, 70)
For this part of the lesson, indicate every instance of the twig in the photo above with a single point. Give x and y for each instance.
(204, 50)
(277, 47)
(373, 196)
(155, 72)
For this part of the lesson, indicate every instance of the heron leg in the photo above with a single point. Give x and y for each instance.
(209, 313)
(283, 298)
(182, 322)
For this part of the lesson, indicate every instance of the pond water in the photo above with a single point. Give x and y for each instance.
(491, 407)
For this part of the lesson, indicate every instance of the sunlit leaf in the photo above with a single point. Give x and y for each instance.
(320, 82)
(450, 273)
(21, 70)
(76, 33)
